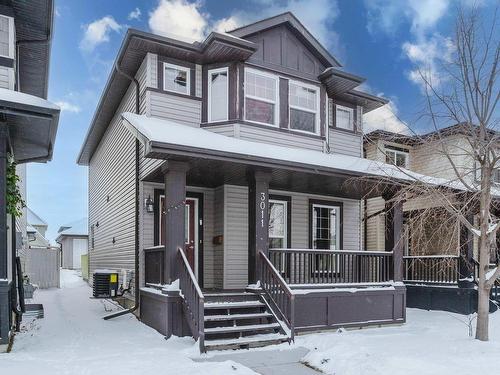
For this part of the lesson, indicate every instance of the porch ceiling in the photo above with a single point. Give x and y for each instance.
(213, 173)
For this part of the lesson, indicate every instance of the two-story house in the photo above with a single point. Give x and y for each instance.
(28, 127)
(234, 165)
(439, 252)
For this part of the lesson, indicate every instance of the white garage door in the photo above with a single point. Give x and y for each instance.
(79, 248)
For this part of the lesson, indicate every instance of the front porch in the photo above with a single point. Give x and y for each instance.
(282, 223)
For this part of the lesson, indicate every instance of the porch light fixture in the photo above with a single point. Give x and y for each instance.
(149, 204)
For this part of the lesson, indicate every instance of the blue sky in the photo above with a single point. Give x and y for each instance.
(383, 41)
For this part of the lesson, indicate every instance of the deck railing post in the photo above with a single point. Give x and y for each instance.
(397, 239)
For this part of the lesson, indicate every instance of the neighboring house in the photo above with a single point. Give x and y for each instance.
(27, 130)
(73, 239)
(231, 162)
(439, 252)
(36, 230)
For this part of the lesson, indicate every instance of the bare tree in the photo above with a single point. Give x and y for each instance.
(467, 95)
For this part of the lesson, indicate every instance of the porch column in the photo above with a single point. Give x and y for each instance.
(3, 202)
(258, 220)
(175, 200)
(465, 262)
(395, 239)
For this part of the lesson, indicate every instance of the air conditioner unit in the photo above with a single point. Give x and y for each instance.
(105, 284)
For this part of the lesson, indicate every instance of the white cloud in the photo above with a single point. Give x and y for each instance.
(427, 55)
(179, 18)
(186, 19)
(135, 14)
(384, 118)
(98, 32)
(68, 107)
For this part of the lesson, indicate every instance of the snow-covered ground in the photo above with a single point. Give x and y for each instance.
(73, 339)
(430, 343)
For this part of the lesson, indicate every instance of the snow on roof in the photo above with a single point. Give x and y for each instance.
(76, 228)
(12, 96)
(34, 219)
(149, 129)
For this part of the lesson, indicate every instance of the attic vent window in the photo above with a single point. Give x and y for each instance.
(176, 78)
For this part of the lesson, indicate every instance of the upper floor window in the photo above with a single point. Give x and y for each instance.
(176, 78)
(261, 93)
(344, 117)
(6, 36)
(397, 157)
(218, 94)
(304, 105)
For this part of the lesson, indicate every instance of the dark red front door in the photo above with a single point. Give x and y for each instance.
(190, 228)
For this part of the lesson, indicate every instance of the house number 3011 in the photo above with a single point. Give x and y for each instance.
(262, 207)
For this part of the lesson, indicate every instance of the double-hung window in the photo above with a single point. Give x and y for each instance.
(6, 36)
(344, 117)
(397, 157)
(261, 97)
(176, 78)
(304, 107)
(218, 94)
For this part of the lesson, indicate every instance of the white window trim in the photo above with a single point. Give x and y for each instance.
(210, 72)
(11, 37)
(344, 108)
(317, 125)
(188, 76)
(276, 102)
(285, 233)
(338, 234)
(396, 152)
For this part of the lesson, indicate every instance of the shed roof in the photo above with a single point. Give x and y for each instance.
(75, 228)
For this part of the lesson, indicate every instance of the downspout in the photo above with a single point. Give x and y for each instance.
(136, 270)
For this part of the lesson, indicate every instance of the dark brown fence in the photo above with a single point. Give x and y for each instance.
(279, 293)
(194, 300)
(307, 266)
(431, 269)
(154, 260)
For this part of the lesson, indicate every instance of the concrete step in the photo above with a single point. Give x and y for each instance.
(246, 342)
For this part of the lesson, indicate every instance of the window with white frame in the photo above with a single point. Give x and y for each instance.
(6, 36)
(304, 107)
(277, 224)
(176, 78)
(261, 97)
(397, 157)
(344, 117)
(218, 94)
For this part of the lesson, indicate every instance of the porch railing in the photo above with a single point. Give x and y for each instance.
(431, 269)
(279, 293)
(193, 299)
(154, 260)
(309, 266)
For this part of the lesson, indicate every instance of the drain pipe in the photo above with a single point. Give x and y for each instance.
(136, 270)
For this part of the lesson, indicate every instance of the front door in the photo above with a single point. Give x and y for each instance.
(190, 228)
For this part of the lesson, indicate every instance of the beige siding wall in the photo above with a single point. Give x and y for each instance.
(175, 108)
(342, 142)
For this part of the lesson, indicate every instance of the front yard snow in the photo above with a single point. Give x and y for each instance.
(431, 342)
(74, 339)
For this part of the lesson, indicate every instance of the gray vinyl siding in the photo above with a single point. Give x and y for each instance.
(219, 220)
(67, 252)
(235, 237)
(6, 78)
(112, 174)
(175, 108)
(343, 142)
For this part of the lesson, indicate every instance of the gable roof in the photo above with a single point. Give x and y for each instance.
(34, 219)
(300, 30)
